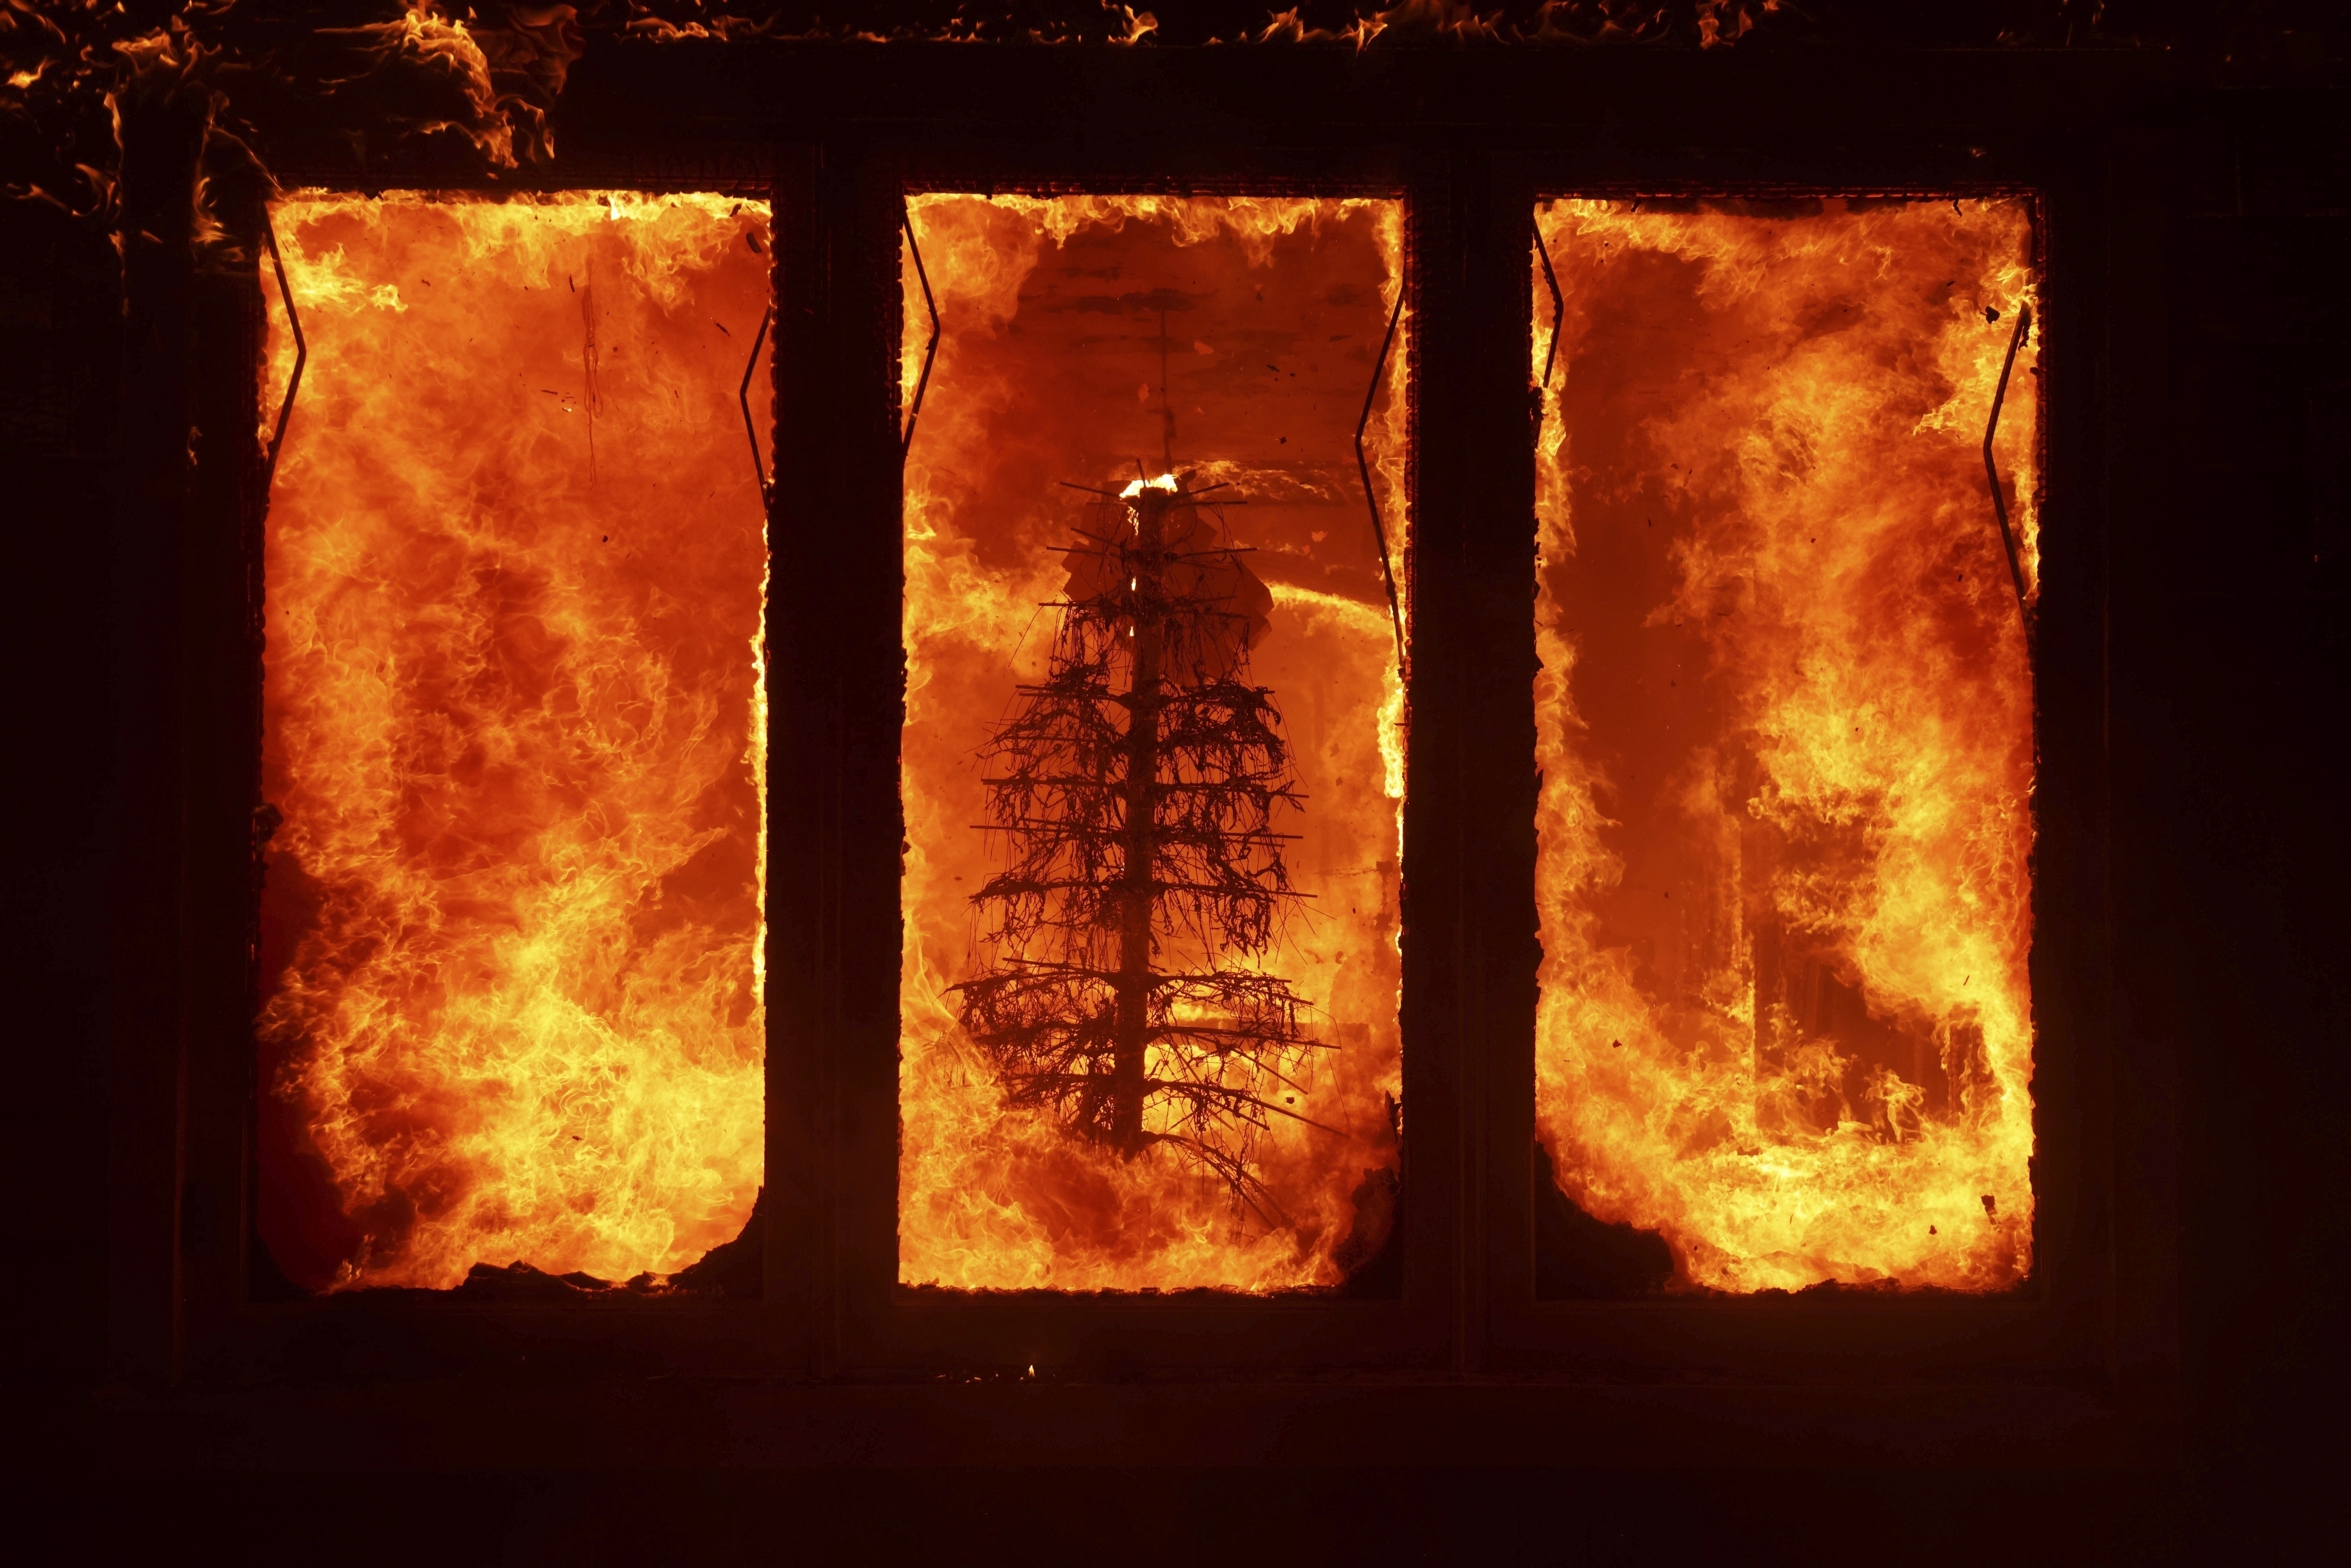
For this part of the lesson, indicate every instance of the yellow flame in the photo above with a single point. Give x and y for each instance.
(1803, 399)
(515, 712)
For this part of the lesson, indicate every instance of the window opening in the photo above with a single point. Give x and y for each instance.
(1152, 765)
(513, 718)
(1785, 728)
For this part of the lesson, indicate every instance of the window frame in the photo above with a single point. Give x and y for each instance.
(2056, 1319)
(181, 1220)
(872, 1321)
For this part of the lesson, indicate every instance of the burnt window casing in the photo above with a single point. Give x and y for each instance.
(965, 514)
(1575, 1285)
(1465, 1292)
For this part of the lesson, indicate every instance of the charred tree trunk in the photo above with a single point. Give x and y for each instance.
(1139, 799)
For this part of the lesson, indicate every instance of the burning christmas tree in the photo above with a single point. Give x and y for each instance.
(1136, 786)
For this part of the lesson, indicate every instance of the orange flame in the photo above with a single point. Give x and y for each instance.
(515, 719)
(1058, 314)
(1786, 739)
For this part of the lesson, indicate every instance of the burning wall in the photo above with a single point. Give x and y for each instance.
(1096, 340)
(515, 728)
(1786, 736)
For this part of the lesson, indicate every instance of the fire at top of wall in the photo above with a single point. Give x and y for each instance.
(430, 88)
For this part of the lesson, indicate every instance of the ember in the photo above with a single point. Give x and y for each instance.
(515, 728)
(1786, 736)
(1232, 343)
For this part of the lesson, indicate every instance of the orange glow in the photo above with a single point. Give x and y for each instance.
(1786, 736)
(515, 721)
(1059, 313)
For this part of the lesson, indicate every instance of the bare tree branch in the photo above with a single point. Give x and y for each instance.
(1135, 789)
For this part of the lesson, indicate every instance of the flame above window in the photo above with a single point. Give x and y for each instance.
(1785, 729)
(1131, 345)
(515, 727)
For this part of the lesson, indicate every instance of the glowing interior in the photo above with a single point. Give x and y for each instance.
(514, 726)
(1786, 736)
(1104, 341)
